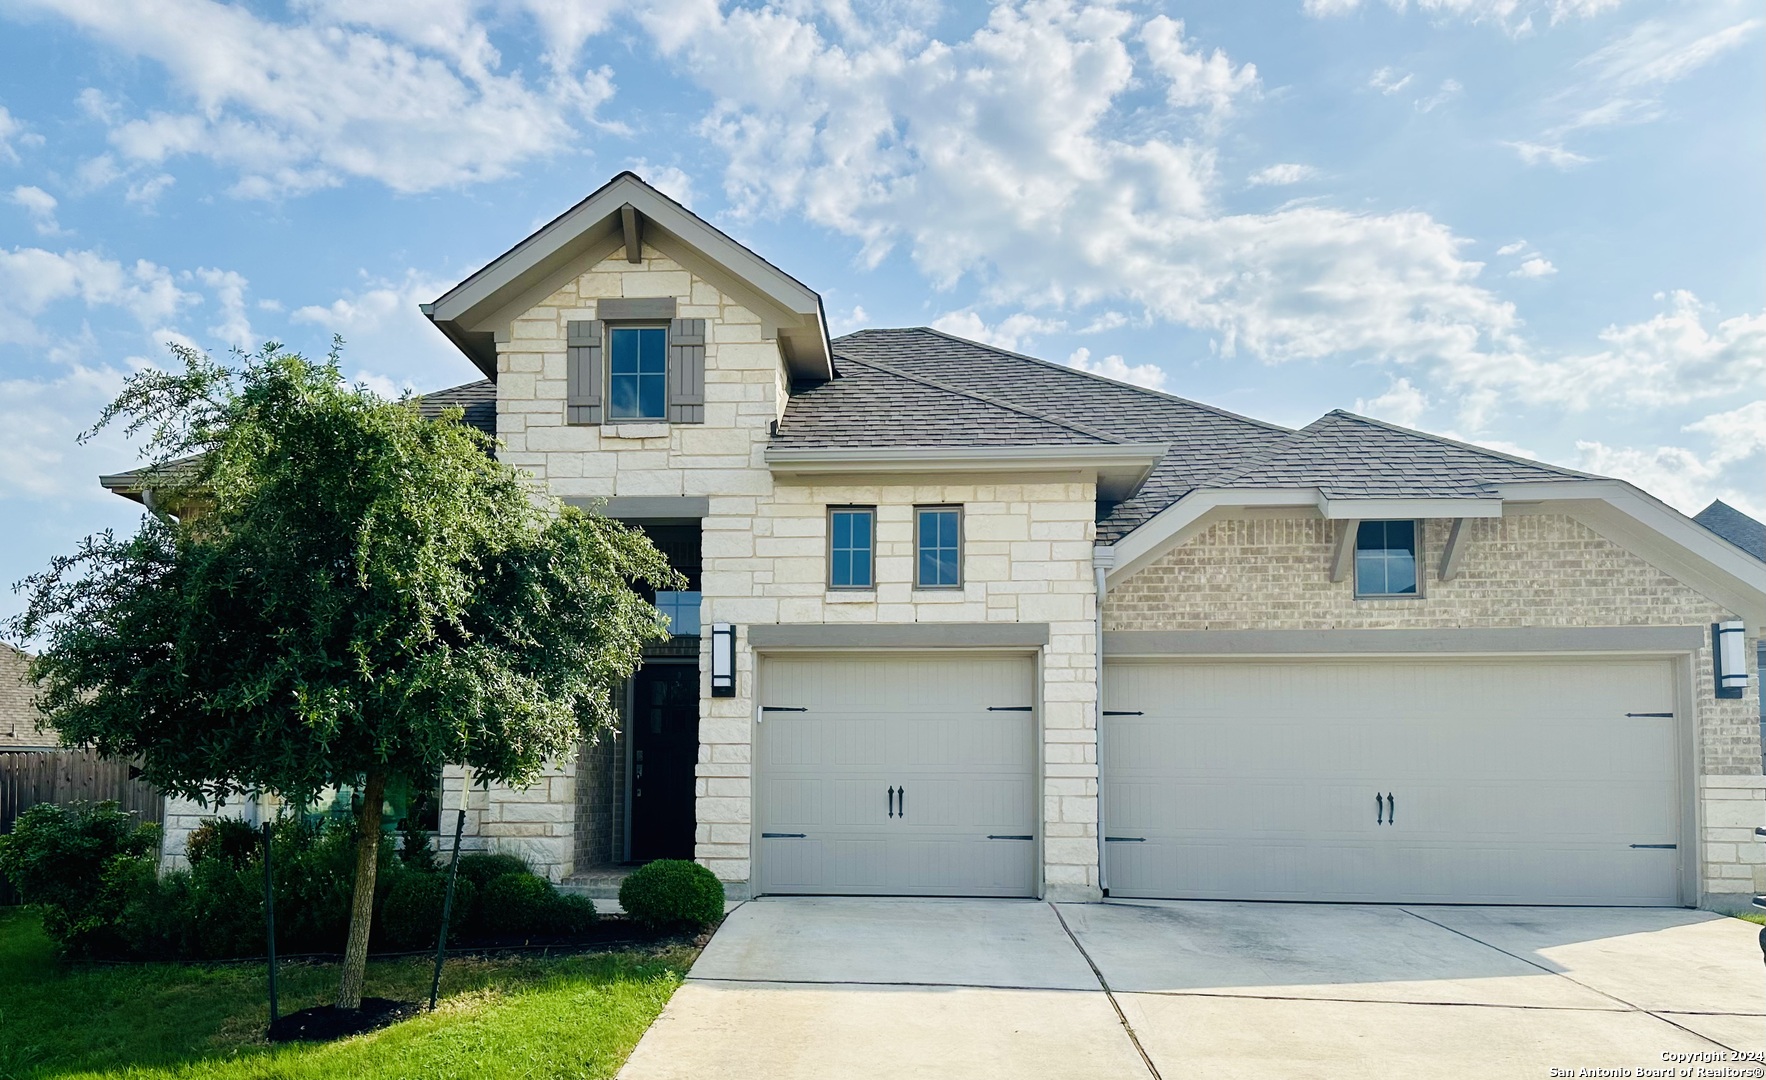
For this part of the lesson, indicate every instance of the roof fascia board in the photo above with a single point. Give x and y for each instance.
(499, 321)
(1178, 522)
(1378, 509)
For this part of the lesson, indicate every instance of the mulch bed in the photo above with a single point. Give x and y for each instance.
(322, 1023)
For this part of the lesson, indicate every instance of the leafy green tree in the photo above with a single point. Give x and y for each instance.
(332, 590)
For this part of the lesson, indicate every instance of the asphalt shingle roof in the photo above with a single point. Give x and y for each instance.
(1734, 526)
(1202, 440)
(1347, 456)
(479, 399)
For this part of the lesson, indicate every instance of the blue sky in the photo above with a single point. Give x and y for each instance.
(1536, 225)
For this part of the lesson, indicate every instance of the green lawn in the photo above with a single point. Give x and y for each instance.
(1753, 917)
(575, 1016)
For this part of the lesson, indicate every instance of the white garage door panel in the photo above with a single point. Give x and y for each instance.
(951, 732)
(1515, 781)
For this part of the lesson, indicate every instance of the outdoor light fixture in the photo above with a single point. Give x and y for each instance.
(723, 660)
(1730, 646)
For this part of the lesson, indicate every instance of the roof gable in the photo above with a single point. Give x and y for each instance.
(624, 214)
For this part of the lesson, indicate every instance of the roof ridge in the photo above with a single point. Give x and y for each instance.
(990, 400)
(1472, 447)
(1080, 373)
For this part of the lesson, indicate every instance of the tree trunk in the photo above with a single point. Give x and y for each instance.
(355, 954)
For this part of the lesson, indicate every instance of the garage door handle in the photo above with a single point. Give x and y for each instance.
(901, 802)
(1391, 809)
(1379, 809)
(892, 801)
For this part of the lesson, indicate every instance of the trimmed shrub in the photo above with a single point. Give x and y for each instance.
(230, 840)
(483, 867)
(526, 905)
(61, 859)
(411, 914)
(673, 893)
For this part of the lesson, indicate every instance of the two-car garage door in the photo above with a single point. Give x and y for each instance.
(908, 775)
(1523, 781)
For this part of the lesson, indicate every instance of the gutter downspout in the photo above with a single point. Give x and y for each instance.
(1102, 559)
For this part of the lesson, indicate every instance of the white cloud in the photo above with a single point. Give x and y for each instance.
(1512, 249)
(1554, 154)
(1014, 332)
(1402, 404)
(1534, 267)
(229, 287)
(1515, 16)
(1194, 80)
(39, 458)
(1738, 434)
(668, 179)
(1388, 81)
(1282, 175)
(1450, 89)
(1151, 376)
(405, 94)
(40, 205)
(32, 279)
(1003, 158)
(387, 335)
(1673, 474)
(13, 134)
(1671, 359)
(845, 322)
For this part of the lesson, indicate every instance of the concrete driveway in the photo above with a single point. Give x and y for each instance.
(823, 987)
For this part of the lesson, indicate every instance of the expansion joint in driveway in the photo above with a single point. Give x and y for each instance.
(1110, 995)
(1632, 1006)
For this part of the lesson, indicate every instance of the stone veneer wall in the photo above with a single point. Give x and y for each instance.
(1026, 558)
(1271, 571)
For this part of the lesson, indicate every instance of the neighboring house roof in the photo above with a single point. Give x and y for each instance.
(1734, 526)
(18, 711)
(624, 215)
(478, 399)
(1200, 440)
(1347, 456)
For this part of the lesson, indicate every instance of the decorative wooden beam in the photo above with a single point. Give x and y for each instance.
(1454, 551)
(1344, 557)
(634, 243)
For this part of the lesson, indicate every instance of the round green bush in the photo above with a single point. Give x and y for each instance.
(411, 914)
(670, 893)
(483, 867)
(525, 905)
(230, 840)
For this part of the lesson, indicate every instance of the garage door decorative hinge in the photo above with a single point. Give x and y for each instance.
(1664, 847)
(1125, 839)
(1009, 708)
(1649, 715)
(1123, 712)
(783, 836)
(1001, 836)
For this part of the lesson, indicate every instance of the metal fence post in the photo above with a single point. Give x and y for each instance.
(270, 917)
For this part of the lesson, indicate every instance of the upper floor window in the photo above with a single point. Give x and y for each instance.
(851, 547)
(1385, 558)
(938, 546)
(637, 373)
(682, 609)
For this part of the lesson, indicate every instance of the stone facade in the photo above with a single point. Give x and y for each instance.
(1027, 558)
(1271, 571)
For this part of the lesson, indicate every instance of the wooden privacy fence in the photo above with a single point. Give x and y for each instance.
(29, 777)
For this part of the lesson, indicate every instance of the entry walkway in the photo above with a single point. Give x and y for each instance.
(823, 987)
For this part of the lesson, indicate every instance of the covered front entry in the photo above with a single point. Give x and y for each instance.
(1501, 780)
(902, 774)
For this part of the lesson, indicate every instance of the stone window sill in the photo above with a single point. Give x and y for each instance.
(851, 596)
(627, 429)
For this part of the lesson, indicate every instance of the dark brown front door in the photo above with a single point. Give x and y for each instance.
(665, 748)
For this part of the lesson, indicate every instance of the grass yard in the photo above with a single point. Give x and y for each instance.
(576, 1016)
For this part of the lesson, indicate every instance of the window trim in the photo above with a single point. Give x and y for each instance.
(828, 548)
(610, 325)
(918, 510)
(1419, 555)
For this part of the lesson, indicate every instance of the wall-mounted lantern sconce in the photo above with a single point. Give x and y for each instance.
(723, 660)
(1729, 644)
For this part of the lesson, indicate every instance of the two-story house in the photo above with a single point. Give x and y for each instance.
(964, 622)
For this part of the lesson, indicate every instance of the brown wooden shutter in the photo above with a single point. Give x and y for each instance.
(583, 366)
(686, 371)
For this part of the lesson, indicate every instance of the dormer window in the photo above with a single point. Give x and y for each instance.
(637, 373)
(1386, 558)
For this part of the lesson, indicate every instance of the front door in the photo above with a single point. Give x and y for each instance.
(665, 748)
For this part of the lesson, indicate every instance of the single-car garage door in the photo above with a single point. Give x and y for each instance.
(908, 775)
(1506, 781)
